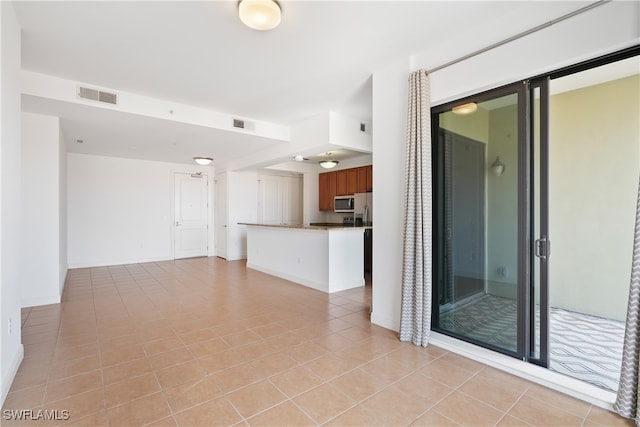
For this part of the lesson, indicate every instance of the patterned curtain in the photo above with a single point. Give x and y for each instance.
(415, 321)
(627, 401)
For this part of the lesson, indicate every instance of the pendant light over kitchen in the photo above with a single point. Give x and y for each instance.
(328, 162)
(260, 14)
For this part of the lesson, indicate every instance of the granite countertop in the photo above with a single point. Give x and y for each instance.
(312, 226)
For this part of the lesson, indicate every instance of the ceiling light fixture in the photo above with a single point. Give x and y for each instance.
(329, 162)
(260, 14)
(203, 161)
(465, 108)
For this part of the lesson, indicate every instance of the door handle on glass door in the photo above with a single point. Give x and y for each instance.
(542, 248)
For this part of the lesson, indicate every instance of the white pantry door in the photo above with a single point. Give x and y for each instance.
(191, 235)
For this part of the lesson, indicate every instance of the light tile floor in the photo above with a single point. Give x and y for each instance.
(207, 342)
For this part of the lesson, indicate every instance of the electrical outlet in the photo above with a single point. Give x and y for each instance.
(9, 329)
(502, 272)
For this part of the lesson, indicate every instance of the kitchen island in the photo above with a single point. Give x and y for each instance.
(326, 258)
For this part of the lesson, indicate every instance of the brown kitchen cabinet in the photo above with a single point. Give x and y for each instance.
(326, 190)
(352, 180)
(343, 183)
(361, 184)
(364, 181)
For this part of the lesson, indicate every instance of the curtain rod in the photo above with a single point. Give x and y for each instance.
(520, 35)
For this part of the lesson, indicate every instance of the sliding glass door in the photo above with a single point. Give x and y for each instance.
(594, 163)
(535, 193)
(480, 150)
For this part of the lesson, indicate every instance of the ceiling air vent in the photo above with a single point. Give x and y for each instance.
(237, 123)
(98, 95)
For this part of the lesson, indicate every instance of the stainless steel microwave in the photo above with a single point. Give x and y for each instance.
(343, 204)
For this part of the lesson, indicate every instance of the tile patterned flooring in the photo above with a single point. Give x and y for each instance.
(205, 342)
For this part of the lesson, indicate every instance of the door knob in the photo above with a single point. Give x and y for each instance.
(177, 223)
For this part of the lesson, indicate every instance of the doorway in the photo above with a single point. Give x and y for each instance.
(561, 165)
(191, 215)
(221, 215)
(478, 215)
(464, 219)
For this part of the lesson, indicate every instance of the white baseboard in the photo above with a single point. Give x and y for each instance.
(91, 264)
(385, 322)
(34, 302)
(299, 280)
(8, 378)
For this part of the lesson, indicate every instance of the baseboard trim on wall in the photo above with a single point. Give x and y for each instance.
(7, 380)
(290, 277)
(385, 322)
(92, 264)
(34, 302)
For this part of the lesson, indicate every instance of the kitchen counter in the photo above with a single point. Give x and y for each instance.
(324, 257)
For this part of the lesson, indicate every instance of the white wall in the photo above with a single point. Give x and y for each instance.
(41, 262)
(604, 29)
(345, 132)
(120, 210)
(390, 93)
(243, 207)
(62, 206)
(11, 349)
(47, 86)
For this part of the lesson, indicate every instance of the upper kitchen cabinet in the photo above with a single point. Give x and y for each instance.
(346, 181)
(352, 180)
(364, 181)
(326, 190)
(342, 183)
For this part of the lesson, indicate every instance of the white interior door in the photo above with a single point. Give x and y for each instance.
(191, 216)
(220, 215)
(280, 200)
(270, 200)
(292, 205)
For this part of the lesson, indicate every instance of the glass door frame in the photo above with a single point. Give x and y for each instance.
(523, 213)
(540, 245)
(530, 244)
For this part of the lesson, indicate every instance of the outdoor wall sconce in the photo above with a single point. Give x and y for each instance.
(497, 167)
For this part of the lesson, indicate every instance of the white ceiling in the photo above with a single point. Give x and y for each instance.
(320, 58)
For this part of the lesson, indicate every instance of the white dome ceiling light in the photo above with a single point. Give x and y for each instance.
(203, 161)
(328, 162)
(468, 108)
(260, 15)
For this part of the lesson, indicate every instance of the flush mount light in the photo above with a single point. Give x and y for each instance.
(204, 161)
(329, 162)
(465, 108)
(259, 14)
